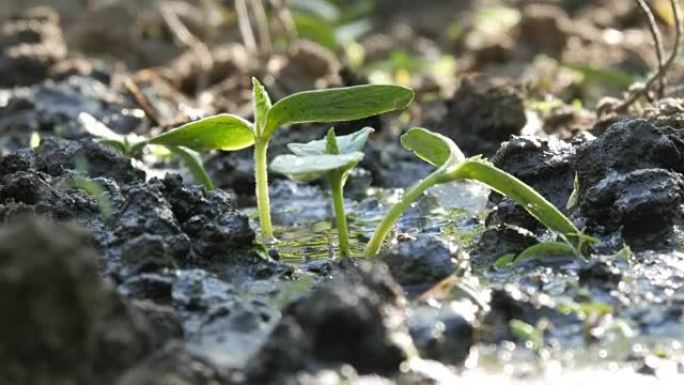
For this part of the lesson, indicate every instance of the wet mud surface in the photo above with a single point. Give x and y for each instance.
(118, 269)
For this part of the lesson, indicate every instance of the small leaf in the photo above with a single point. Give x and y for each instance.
(311, 167)
(572, 199)
(97, 129)
(194, 163)
(436, 149)
(504, 261)
(528, 333)
(337, 105)
(346, 144)
(262, 103)
(545, 250)
(331, 143)
(220, 132)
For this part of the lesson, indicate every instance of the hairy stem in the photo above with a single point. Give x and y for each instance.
(261, 177)
(395, 212)
(336, 189)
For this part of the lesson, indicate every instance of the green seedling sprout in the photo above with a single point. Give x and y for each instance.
(132, 145)
(452, 165)
(332, 159)
(230, 133)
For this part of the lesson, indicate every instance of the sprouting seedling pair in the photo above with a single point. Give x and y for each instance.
(332, 158)
(230, 133)
(452, 165)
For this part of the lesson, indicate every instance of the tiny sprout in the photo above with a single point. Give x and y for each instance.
(132, 145)
(452, 165)
(332, 159)
(230, 133)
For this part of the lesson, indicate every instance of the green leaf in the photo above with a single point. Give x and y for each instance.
(337, 105)
(193, 161)
(346, 144)
(311, 167)
(545, 250)
(544, 211)
(315, 29)
(331, 143)
(607, 75)
(528, 333)
(504, 261)
(322, 9)
(572, 199)
(220, 132)
(436, 149)
(262, 103)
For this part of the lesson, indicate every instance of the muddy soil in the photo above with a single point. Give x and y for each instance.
(118, 269)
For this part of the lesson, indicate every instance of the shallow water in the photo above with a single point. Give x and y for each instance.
(628, 333)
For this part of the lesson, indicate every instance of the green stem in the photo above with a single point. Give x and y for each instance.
(522, 194)
(261, 177)
(391, 217)
(336, 189)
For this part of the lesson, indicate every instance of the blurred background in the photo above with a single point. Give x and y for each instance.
(563, 56)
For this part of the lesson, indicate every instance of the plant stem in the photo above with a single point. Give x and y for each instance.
(336, 189)
(391, 217)
(522, 194)
(261, 177)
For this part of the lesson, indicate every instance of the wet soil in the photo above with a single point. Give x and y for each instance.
(122, 270)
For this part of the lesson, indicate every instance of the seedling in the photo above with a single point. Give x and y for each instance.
(230, 133)
(332, 159)
(452, 165)
(132, 145)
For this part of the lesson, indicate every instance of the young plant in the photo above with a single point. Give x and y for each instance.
(132, 145)
(452, 165)
(332, 158)
(230, 133)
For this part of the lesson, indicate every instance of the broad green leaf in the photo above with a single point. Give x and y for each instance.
(436, 149)
(545, 250)
(311, 167)
(337, 105)
(220, 132)
(262, 103)
(345, 143)
(194, 163)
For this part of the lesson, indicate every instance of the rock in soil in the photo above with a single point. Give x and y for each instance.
(424, 260)
(357, 318)
(483, 113)
(643, 204)
(30, 45)
(54, 107)
(626, 146)
(62, 323)
(445, 333)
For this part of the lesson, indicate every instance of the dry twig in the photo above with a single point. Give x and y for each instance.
(658, 75)
(185, 37)
(657, 40)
